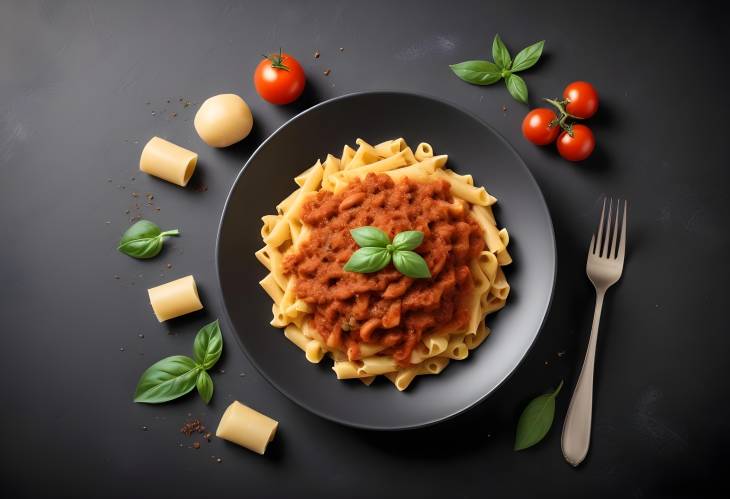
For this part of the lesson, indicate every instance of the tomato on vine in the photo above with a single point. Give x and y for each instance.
(540, 126)
(279, 78)
(581, 99)
(577, 143)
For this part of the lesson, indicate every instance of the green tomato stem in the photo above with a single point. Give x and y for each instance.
(564, 115)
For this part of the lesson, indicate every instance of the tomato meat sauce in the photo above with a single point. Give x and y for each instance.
(385, 308)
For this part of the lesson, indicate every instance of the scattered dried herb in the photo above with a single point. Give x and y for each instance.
(192, 426)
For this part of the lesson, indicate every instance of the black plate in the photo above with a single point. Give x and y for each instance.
(473, 147)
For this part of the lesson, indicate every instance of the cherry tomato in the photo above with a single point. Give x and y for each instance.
(579, 146)
(279, 79)
(582, 99)
(536, 126)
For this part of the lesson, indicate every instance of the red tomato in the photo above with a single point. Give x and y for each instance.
(536, 126)
(279, 79)
(579, 146)
(582, 99)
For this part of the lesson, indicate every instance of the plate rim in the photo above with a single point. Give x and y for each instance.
(304, 404)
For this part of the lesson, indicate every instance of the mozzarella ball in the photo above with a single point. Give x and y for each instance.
(223, 120)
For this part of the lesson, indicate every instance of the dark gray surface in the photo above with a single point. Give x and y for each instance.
(473, 148)
(74, 82)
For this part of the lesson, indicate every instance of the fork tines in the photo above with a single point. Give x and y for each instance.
(603, 238)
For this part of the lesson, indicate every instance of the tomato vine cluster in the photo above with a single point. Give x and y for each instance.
(575, 141)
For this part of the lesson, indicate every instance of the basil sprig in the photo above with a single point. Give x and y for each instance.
(173, 377)
(488, 73)
(536, 420)
(376, 251)
(144, 240)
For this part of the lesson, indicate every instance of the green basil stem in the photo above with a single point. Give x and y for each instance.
(174, 232)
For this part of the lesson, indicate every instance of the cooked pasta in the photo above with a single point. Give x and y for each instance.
(378, 337)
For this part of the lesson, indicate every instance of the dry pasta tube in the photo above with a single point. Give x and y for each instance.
(175, 298)
(168, 161)
(248, 428)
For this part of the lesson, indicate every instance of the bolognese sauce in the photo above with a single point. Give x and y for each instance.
(385, 308)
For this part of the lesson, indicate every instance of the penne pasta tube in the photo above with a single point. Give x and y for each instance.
(423, 151)
(347, 154)
(409, 156)
(475, 315)
(279, 319)
(364, 155)
(379, 166)
(474, 340)
(168, 161)
(295, 335)
(435, 344)
(421, 172)
(464, 178)
(390, 147)
(272, 288)
(369, 349)
(504, 258)
(494, 242)
(457, 348)
(475, 195)
(175, 298)
(286, 203)
(493, 305)
(403, 378)
(434, 365)
(314, 351)
(346, 370)
(481, 281)
(270, 222)
(489, 264)
(302, 177)
(377, 365)
(246, 427)
(262, 256)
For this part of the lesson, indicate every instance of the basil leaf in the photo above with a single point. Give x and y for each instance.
(366, 260)
(536, 420)
(517, 88)
(166, 380)
(408, 240)
(528, 56)
(500, 54)
(208, 345)
(205, 386)
(370, 237)
(411, 264)
(143, 240)
(477, 72)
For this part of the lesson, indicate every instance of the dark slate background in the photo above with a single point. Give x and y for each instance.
(83, 85)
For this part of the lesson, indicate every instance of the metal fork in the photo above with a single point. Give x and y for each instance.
(604, 268)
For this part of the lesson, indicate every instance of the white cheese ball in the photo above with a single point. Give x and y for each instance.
(223, 120)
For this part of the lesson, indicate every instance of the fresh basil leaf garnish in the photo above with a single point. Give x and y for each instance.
(367, 260)
(370, 237)
(411, 264)
(536, 420)
(208, 345)
(144, 240)
(167, 379)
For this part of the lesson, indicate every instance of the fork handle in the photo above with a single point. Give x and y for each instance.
(577, 427)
